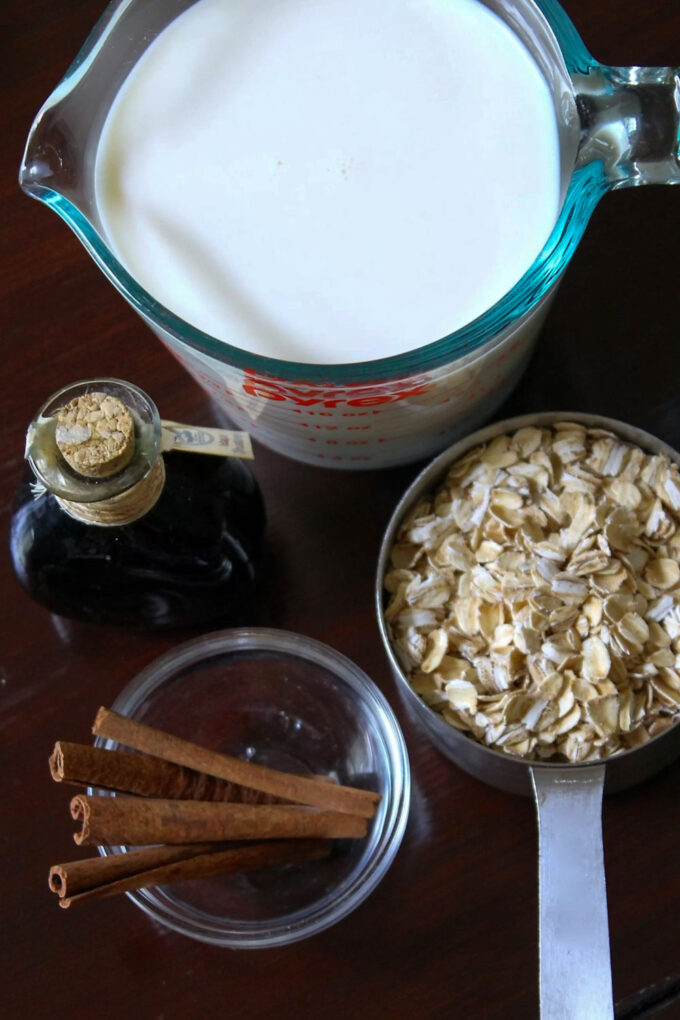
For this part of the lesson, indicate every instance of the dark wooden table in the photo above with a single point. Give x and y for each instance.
(452, 929)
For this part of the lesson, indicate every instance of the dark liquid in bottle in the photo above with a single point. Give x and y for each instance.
(193, 559)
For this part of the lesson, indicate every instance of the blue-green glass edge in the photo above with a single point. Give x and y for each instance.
(587, 186)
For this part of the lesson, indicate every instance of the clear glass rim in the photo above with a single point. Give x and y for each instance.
(586, 187)
(387, 831)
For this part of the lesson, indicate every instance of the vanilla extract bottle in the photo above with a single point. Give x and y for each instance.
(111, 529)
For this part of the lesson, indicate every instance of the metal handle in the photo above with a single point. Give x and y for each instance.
(575, 964)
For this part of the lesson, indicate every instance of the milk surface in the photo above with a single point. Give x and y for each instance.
(330, 181)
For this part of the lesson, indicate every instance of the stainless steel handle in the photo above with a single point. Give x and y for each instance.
(574, 958)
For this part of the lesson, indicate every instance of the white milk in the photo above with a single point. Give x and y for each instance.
(330, 181)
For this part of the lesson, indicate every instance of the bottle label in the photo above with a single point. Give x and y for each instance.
(220, 442)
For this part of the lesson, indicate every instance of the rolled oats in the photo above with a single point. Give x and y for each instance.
(534, 599)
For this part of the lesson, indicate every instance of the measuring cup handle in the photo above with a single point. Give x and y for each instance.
(630, 122)
(574, 959)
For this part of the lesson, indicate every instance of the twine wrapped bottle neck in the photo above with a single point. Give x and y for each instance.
(96, 446)
(123, 508)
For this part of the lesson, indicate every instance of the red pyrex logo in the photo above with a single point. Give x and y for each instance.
(303, 395)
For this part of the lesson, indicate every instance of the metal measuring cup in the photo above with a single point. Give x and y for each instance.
(574, 956)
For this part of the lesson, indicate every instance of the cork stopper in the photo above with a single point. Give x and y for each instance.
(95, 434)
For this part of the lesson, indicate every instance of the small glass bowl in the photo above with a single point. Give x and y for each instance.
(287, 702)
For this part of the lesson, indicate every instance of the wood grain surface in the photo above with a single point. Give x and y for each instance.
(452, 929)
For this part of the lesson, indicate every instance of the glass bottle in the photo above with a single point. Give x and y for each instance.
(116, 531)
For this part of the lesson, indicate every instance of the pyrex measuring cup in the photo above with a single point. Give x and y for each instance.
(617, 127)
(574, 955)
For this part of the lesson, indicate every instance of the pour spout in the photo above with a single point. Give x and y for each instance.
(630, 122)
(48, 159)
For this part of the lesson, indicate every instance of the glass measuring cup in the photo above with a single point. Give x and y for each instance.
(574, 954)
(617, 127)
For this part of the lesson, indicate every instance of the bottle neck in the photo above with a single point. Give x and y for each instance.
(123, 508)
(96, 446)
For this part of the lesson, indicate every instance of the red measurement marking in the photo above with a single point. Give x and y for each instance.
(332, 396)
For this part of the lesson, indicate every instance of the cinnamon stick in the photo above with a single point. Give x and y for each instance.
(146, 776)
(74, 877)
(238, 859)
(138, 821)
(300, 789)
